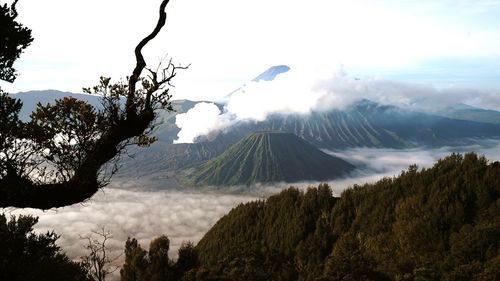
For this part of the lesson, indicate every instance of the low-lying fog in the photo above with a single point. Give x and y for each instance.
(126, 211)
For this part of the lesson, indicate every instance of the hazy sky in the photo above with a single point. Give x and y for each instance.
(446, 43)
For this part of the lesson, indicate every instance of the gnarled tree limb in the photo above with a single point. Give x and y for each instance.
(19, 190)
(140, 62)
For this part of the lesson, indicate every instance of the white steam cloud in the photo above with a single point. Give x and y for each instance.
(302, 92)
(200, 120)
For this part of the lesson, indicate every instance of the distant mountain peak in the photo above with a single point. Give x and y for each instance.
(32, 98)
(271, 73)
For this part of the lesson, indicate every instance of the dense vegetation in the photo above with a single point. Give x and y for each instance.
(25, 255)
(155, 265)
(441, 223)
(13, 40)
(269, 157)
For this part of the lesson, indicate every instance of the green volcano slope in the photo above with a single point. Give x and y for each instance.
(266, 157)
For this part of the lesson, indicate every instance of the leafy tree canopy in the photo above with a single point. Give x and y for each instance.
(13, 40)
(25, 255)
(60, 157)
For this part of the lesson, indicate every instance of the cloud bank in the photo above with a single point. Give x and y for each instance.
(183, 216)
(302, 91)
(374, 164)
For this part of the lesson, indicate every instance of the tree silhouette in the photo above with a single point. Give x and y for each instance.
(15, 38)
(97, 263)
(59, 158)
(136, 263)
(26, 255)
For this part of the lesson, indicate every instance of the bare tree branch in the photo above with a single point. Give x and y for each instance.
(141, 63)
(97, 262)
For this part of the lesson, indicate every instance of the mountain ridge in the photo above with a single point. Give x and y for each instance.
(369, 124)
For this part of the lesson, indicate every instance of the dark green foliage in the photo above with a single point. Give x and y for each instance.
(279, 239)
(69, 130)
(155, 265)
(135, 262)
(188, 258)
(269, 157)
(26, 256)
(78, 122)
(349, 261)
(441, 223)
(159, 265)
(11, 130)
(14, 38)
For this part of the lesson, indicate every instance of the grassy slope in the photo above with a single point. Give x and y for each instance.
(269, 157)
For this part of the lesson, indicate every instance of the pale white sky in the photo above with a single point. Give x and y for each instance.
(231, 41)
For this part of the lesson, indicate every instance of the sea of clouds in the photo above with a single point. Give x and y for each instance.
(182, 216)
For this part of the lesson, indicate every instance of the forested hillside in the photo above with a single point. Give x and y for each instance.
(441, 223)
